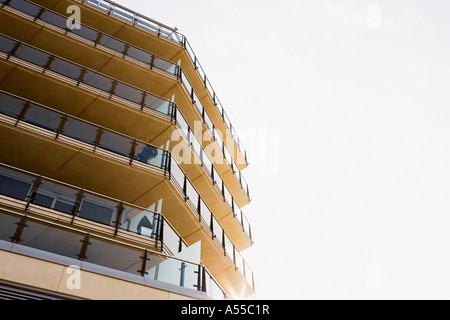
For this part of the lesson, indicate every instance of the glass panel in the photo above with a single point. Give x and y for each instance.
(218, 180)
(116, 143)
(114, 256)
(173, 271)
(15, 184)
(147, 24)
(150, 155)
(158, 104)
(54, 19)
(182, 125)
(187, 85)
(190, 280)
(227, 156)
(217, 230)
(171, 239)
(205, 213)
(8, 226)
(139, 54)
(32, 55)
(65, 68)
(6, 45)
(97, 81)
(86, 33)
(42, 117)
(140, 221)
(123, 14)
(208, 122)
(55, 196)
(80, 130)
(246, 226)
(11, 106)
(112, 43)
(207, 163)
(165, 65)
(229, 247)
(212, 288)
(248, 275)
(98, 209)
(25, 7)
(228, 197)
(43, 237)
(196, 146)
(192, 194)
(239, 262)
(129, 93)
(177, 173)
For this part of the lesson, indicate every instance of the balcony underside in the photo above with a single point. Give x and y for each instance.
(143, 187)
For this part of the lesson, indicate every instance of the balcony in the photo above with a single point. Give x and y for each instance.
(123, 15)
(146, 102)
(87, 35)
(50, 241)
(55, 132)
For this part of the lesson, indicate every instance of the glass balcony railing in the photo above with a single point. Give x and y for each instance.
(18, 110)
(57, 239)
(26, 190)
(171, 34)
(138, 55)
(113, 87)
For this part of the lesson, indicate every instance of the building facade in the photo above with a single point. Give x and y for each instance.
(120, 171)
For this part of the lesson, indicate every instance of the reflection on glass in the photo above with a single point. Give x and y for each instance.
(150, 155)
(140, 221)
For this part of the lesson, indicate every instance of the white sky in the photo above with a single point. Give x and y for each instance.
(350, 172)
